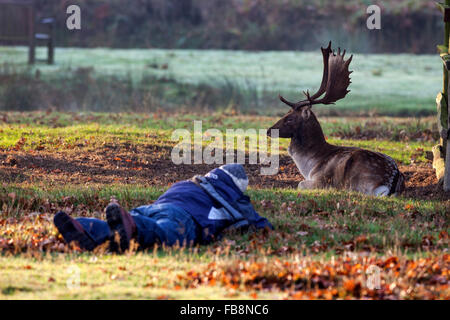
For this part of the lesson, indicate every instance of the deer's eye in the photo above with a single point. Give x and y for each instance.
(289, 121)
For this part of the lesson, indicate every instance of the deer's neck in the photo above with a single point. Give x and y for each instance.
(308, 146)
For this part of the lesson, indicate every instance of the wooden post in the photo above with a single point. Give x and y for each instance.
(31, 32)
(50, 46)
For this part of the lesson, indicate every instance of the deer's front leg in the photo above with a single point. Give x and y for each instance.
(307, 184)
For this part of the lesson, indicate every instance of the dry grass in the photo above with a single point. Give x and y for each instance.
(322, 247)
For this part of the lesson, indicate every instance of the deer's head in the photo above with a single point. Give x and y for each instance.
(294, 121)
(335, 82)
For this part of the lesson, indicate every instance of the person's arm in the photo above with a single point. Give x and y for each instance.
(245, 207)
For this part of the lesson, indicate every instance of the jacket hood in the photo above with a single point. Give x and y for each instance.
(224, 183)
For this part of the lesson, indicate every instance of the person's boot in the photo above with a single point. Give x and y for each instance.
(72, 230)
(120, 221)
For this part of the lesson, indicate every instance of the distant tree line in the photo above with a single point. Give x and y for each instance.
(407, 26)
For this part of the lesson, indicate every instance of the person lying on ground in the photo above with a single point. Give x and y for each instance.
(195, 211)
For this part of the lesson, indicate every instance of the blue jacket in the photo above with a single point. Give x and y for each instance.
(215, 203)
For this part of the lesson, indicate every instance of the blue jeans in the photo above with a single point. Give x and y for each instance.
(164, 223)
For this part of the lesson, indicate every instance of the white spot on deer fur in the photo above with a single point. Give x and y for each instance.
(381, 191)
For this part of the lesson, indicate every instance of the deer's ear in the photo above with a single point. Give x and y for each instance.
(306, 113)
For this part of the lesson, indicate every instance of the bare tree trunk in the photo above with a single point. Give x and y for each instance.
(447, 168)
(445, 115)
(441, 152)
(446, 143)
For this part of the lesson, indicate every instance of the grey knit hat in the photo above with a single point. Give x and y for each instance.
(237, 174)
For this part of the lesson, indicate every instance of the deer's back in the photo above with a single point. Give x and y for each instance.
(359, 170)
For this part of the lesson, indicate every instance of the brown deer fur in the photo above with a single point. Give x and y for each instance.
(327, 166)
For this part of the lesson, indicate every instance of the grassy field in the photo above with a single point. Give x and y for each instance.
(384, 84)
(324, 242)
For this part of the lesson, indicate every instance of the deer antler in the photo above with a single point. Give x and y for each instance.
(335, 80)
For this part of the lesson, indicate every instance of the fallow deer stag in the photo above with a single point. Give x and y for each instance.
(327, 166)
